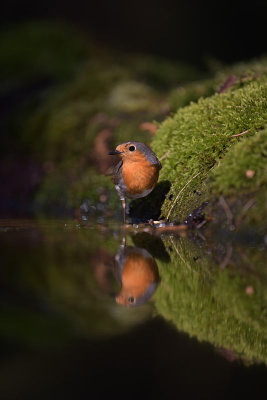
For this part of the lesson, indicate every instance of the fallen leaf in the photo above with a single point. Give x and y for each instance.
(249, 290)
(148, 126)
(229, 82)
(99, 153)
(250, 173)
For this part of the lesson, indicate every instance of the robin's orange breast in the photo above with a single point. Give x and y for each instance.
(139, 174)
(138, 274)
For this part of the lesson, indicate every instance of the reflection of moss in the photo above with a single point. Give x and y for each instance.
(59, 273)
(202, 132)
(22, 326)
(212, 304)
(57, 279)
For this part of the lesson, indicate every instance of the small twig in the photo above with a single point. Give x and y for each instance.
(240, 134)
(164, 155)
(201, 224)
(244, 211)
(229, 82)
(175, 229)
(228, 256)
(180, 256)
(201, 236)
(123, 236)
(177, 197)
(226, 209)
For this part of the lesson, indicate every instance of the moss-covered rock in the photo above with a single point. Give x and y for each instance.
(244, 166)
(241, 178)
(184, 94)
(198, 136)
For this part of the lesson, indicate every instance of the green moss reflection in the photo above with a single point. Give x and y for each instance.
(214, 302)
(66, 278)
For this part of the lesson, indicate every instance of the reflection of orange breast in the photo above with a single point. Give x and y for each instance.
(138, 273)
(139, 174)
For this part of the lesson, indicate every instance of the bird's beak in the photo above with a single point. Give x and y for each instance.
(114, 152)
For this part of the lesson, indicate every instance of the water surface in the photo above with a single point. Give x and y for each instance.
(92, 309)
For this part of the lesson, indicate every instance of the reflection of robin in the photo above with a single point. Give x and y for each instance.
(137, 273)
(137, 173)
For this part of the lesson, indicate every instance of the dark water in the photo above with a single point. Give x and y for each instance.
(89, 310)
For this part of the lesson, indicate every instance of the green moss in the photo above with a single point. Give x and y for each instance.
(245, 193)
(198, 136)
(161, 73)
(36, 50)
(29, 328)
(130, 96)
(183, 95)
(212, 304)
(248, 154)
(239, 74)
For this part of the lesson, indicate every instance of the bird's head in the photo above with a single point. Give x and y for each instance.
(135, 151)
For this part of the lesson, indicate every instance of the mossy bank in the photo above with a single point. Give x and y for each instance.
(210, 145)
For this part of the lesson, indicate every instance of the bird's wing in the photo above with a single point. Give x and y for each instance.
(113, 169)
(116, 173)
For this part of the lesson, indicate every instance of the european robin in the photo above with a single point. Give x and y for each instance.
(137, 272)
(137, 173)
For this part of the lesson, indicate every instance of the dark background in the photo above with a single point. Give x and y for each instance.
(185, 30)
(192, 32)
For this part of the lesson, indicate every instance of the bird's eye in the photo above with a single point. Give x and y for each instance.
(132, 148)
(131, 300)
